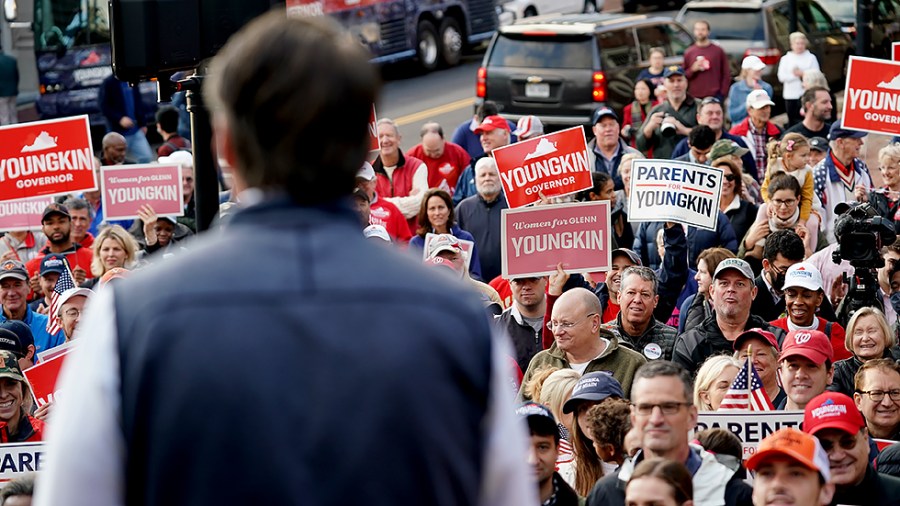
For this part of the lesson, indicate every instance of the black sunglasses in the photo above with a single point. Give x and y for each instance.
(730, 177)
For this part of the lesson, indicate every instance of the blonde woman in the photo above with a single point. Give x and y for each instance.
(869, 337)
(113, 247)
(790, 72)
(554, 392)
(713, 380)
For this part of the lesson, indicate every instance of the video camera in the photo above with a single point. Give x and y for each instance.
(861, 233)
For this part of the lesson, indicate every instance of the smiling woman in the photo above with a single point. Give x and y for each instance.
(869, 337)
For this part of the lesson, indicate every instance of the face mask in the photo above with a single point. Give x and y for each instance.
(895, 301)
(778, 282)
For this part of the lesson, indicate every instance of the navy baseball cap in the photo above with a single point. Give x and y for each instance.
(601, 113)
(818, 144)
(593, 386)
(839, 132)
(53, 262)
(539, 416)
(673, 70)
(22, 332)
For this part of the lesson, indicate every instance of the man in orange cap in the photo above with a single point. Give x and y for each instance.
(791, 468)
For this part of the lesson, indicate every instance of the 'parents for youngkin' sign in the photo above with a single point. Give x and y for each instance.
(681, 192)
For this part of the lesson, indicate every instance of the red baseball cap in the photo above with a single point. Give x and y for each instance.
(755, 333)
(811, 344)
(832, 410)
(492, 123)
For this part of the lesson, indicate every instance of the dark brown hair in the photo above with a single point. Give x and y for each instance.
(422, 220)
(609, 422)
(669, 471)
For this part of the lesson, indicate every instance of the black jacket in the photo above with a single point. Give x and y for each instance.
(742, 218)
(699, 343)
(845, 371)
(525, 340)
(875, 488)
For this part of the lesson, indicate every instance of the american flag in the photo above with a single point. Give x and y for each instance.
(741, 398)
(65, 282)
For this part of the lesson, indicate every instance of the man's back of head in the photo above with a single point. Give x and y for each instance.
(294, 120)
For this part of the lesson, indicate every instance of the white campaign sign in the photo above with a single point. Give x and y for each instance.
(750, 427)
(681, 192)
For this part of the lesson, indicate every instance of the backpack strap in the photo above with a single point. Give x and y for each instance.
(828, 326)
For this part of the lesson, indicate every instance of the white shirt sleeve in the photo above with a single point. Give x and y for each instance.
(507, 479)
(85, 445)
(409, 205)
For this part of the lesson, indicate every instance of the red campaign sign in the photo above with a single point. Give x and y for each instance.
(535, 239)
(872, 96)
(554, 164)
(42, 379)
(895, 51)
(373, 131)
(45, 158)
(22, 214)
(126, 188)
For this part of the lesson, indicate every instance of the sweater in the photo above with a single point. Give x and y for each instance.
(793, 85)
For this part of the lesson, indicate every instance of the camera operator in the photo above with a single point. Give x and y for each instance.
(861, 235)
(841, 176)
(670, 121)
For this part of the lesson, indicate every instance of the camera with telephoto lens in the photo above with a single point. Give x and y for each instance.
(667, 129)
(861, 233)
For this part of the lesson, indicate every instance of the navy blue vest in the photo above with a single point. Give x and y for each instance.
(288, 361)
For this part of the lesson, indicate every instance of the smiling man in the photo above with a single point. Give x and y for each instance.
(877, 395)
(807, 367)
(834, 420)
(635, 323)
(56, 223)
(581, 343)
(14, 298)
(791, 468)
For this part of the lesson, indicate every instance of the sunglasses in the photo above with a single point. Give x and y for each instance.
(710, 100)
(730, 177)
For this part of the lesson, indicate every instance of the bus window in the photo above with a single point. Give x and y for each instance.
(70, 23)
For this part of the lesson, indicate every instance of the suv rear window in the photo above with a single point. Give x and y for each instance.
(729, 24)
(549, 52)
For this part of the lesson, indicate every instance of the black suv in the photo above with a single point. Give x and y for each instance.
(561, 68)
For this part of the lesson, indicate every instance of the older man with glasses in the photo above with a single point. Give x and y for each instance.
(877, 395)
(581, 343)
(661, 409)
(833, 418)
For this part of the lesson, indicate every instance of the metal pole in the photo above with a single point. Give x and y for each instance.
(792, 20)
(206, 180)
(864, 28)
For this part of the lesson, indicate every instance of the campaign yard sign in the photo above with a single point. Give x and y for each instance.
(42, 379)
(872, 96)
(46, 158)
(750, 427)
(535, 239)
(24, 214)
(126, 188)
(681, 192)
(554, 165)
(20, 459)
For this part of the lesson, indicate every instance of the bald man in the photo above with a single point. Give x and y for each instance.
(581, 343)
(114, 149)
(444, 159)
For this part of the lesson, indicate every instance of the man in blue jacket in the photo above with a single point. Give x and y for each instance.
(322, 368)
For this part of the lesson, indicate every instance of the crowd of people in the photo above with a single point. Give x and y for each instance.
(609, 372)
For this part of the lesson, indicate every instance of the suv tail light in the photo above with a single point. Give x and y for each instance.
(769, 56)
(599, 80)
(481, 83)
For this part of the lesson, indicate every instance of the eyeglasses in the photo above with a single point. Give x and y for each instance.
(779, 202)
(730, 177)
(710, 100)
(845, 442)
(667, 408)
(73, 313)
(878, 395)
(567, 325)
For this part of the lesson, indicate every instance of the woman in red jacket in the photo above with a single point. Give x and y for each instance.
(635, 113)
(16, 425)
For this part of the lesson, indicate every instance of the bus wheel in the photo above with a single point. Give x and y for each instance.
(451, 42)
(427, 45)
